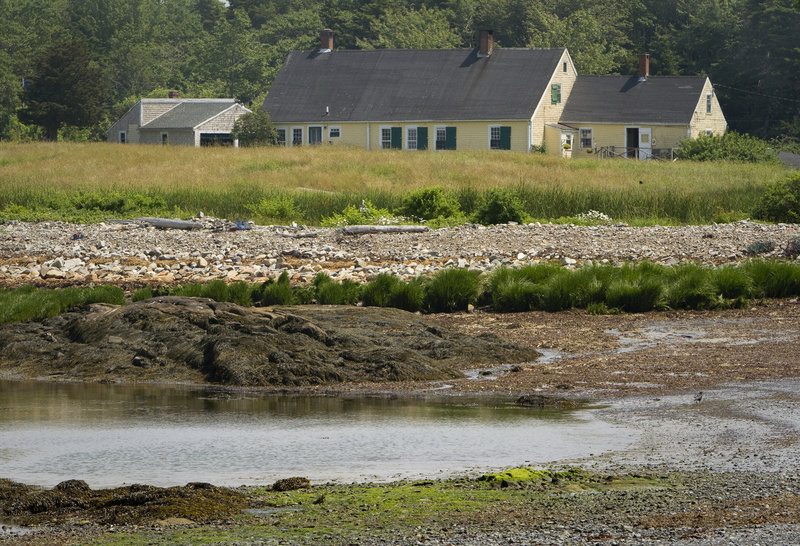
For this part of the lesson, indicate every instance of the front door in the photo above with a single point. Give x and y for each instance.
(315, 135)
(645, 143)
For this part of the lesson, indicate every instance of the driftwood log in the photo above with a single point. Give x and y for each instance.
(364, 230)
(297, 234)
(166, 223)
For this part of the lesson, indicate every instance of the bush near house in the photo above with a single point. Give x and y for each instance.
(728, 147)
(781, 201)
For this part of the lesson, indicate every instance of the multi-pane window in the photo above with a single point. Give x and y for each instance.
(334, 132)
(555, 93)
(411, 138)
(494, 138)
(708, 102)
(281, 132)
(297, 136)
(586, 138)
(441, 138)
(122, 137)
(386, 138)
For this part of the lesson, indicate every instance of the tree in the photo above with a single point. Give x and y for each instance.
(255, 129)
(66, 87)
(411, 29)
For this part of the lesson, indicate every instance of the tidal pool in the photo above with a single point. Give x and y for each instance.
(109, 435)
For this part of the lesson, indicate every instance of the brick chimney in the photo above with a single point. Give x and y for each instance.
(486, 43)
(174, 94)
(326, 40)
(644, 66)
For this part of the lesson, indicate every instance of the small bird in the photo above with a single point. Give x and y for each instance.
(698, 397)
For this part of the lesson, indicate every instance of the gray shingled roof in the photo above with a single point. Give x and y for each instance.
(410, 85)
(188, 115)
(624, 99)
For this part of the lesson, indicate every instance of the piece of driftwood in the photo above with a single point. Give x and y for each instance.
(166, 223)
(363, 230)
(297, 235)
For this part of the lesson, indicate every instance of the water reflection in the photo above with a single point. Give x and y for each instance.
(111, 434)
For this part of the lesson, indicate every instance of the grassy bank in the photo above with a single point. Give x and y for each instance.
(90, 182)
(600, 289)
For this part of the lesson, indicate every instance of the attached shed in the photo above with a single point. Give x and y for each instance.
(186, 122)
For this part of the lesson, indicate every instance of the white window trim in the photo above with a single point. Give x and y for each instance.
(334, 127)
(560, 93)
(709, 132)
(489, 143)
(285, 134)
(380, 136)
(122, 137)
(709, 103)
(290, 136)
(405, 141)
(435, 131)
(580, 138)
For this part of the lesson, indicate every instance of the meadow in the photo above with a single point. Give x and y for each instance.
(95, 181)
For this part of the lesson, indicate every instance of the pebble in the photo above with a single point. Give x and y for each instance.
(136, 251)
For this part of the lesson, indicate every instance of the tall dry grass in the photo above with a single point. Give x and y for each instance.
(322, 180)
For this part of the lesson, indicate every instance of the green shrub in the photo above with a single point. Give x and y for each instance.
(690, 287)
(781, 201)
(428, 204)
(452, 289)
(730, 147)
(773, 279)
(255, 129)
(500, 207)
(634, 297)
(366, 214)
(329, 292)
(377, 292)
(278, 292)
(409, 296)
(731, 282)
(280, 208)
(30, 303)
(144, 293)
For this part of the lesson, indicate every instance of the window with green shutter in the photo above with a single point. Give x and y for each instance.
(555, 93)
(422, 138)
(505, 138)
(450, 138)
(397, 138)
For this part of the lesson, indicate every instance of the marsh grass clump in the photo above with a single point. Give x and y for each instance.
(329, 292)
(275, 292)
(690, 286)
(527, 477)
(30, 303)
(386, 290)
(452, 289)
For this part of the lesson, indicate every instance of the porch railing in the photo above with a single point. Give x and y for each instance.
(622, 152)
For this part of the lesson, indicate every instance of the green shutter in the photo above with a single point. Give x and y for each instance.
(505, 138)
(397, 138)
(555, 93)
(450, 138)
(422, 138)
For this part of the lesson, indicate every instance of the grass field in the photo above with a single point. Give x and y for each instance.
(90, 182)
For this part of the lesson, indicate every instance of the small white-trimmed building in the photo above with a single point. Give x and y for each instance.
(176, 121)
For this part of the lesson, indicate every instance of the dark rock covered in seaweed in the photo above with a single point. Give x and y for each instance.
(200, 340)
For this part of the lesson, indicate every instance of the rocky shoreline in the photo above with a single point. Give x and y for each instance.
(137, 252)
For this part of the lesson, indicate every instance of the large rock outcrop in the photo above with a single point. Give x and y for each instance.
(174, 339)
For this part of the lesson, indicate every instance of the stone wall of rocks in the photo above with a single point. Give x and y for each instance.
(136, 252)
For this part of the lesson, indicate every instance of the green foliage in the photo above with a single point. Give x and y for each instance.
(781, 201)
(279, 208)
(29, 303)
(452, 289)
(66, 87)
(366, 214)
(255, 129)
(276, 292)
(428, 204)
(500, 207)
(386, 290)
(330, 292)
(144, 293)
(728, 147)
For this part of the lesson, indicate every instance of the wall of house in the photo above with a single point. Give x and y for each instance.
(223, 123)
(129, 123)
(176, 138)
(664, 136)
(701, 121)
(546, 111)
(470, 135)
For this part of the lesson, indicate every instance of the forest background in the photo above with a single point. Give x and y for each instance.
(69, 68)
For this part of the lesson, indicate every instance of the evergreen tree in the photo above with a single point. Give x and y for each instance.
(65, 88)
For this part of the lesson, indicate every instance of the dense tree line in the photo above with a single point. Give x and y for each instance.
(103, 55)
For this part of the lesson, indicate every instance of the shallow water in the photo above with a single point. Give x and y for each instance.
(110, 435)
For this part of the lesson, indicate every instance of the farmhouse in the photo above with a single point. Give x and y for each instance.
(478, 99)
(187, 122)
